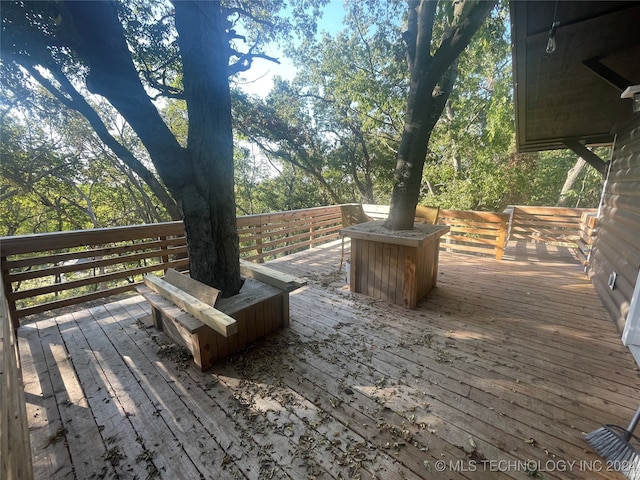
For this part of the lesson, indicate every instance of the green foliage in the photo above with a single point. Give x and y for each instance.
(56, 175)
(290, 191)
(339, 121)
(329, 136)
(349, 97)
(283, 127)
(39, 43)
(549, 177)
(491, 184)
(471, 162)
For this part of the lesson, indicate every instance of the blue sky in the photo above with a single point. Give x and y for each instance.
(258, 80)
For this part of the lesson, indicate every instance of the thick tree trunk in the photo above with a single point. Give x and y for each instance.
(422, 115)
(210, 205)
(431, 82)
(199, 178)
(572, 176)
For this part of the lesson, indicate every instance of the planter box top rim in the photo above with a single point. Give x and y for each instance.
(375, 231)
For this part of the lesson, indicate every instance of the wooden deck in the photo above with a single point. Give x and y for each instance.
(497, 374)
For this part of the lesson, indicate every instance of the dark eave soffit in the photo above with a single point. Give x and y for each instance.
(573, 94)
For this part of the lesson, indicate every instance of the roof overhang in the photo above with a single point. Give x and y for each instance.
(573, 94)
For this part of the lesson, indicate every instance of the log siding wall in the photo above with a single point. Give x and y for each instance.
(617, 243)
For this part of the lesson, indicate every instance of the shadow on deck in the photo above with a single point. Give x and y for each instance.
(523, 251)
(497, 374)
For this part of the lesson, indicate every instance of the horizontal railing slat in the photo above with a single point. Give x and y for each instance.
(78, 238)
(483, 241)
(467, 248)
(92, 280)
(551, 211)
(89, 265)
(45, 307)
(97, 252)
(481, 217)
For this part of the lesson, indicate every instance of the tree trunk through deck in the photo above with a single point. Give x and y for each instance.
(199, 177)
(431, 81)
(209, 207)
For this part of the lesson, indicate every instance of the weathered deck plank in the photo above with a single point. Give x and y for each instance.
(50, 455)
(504, 362)
(109, 386)
(76, 415)
(225, 448)
(406, 369)
(176, 426)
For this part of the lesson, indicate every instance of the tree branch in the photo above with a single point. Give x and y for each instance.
(164, 89)
(245, 13)
(78, 103)
(458, 38)
(246, 59)
(410, 34)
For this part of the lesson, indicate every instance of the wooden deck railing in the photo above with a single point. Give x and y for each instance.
(475, 232)
(471, 232)
(269, 235)
(47, 271)
(15, 447)
(53, 270)
(587, 234)
(554, 225)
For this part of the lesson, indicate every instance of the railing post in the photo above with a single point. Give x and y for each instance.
(312, 229)
(6, 287)
(588, 224)
(15, 446)
(164, 259)
(509, 210)
(259, 242)
(502, 239)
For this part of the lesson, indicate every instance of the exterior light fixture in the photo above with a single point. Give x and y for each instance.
(551, 42)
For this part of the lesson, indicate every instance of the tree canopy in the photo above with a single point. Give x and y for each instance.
(107, 117)
(132, 53)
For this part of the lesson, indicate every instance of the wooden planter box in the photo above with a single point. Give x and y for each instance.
(397, 266)
(258, 309)
(184, 309)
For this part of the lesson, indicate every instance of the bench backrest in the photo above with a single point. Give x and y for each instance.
(202, 292)
(217, 320)
(425, 214)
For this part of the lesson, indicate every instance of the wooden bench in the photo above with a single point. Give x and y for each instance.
(212, 328)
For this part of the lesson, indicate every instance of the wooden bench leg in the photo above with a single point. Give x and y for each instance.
(156, 315)
(285, 309)
(205, 348)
